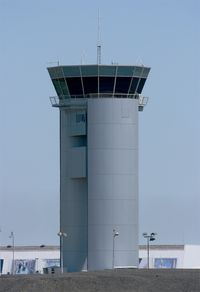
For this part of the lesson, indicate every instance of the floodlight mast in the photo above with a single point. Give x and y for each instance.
(61, 234)
(149, 237)
(12, 236)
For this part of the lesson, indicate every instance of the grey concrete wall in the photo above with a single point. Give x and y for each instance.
(73, 189)
(99, 184)
(112, 182)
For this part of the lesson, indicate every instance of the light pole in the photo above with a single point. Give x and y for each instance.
(12, 236)
(61, 235)
(149, 237)
(115, 233)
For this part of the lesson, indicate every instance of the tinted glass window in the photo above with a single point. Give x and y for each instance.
(125, 71)
(63, 86)
(106, 84)
(134, 85)
(90, 85)
(71, 71)
(74, 85)
(57, 87)
(141, 85)
(107, 70)
(122, 84)
(80, 118)
(89, 70)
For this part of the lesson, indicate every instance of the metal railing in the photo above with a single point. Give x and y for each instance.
(64, 101)
(142, 101)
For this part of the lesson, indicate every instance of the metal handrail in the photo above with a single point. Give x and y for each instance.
(65, 100)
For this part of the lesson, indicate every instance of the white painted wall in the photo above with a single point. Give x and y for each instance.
(188, 256)
(168, 253)
(37, 254)
(192, 257)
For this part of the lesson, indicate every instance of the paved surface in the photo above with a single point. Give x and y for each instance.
(106, 281)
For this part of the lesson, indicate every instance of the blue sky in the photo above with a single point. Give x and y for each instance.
(162, 34)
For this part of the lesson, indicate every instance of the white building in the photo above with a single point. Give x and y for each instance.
(28, 259)
(32, 259)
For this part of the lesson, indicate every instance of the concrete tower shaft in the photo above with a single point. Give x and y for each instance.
(112, 182)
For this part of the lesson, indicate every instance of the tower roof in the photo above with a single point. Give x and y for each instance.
(83, 81)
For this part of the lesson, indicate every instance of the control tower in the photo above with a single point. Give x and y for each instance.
(99, 107)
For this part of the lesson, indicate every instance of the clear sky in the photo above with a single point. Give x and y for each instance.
(162, 34)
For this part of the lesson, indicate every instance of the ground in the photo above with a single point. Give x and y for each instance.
(125, 280)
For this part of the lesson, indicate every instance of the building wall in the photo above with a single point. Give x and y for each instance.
(99, 183)
(192, 256)
(162, 257)
(187, 257)
(73, 188)
(39, 257)
(112, 182)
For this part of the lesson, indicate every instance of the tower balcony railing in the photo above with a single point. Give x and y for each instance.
(66, 100)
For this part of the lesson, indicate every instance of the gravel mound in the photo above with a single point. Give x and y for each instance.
(125, 280)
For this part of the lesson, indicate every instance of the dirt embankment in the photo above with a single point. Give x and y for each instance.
(106, 281)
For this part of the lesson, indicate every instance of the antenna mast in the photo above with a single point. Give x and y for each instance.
(99, 41)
